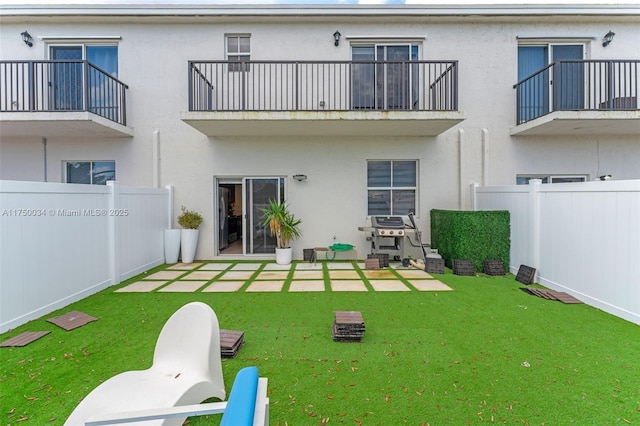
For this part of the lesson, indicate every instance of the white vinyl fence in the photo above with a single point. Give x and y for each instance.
(583, 238)
(60, 243)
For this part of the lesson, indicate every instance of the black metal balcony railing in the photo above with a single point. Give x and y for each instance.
(44, 86)
(323, 86)
(579, 85)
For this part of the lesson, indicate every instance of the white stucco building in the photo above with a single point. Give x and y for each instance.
(381, 109)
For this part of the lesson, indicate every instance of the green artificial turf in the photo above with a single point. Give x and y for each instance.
(483, 353)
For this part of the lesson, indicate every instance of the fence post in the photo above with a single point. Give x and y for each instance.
(113, 232)
(534, 209)
(474, 196)
(169, 206)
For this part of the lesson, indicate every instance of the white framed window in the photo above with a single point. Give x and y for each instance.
(392, 186)
(524, 179)
(237, 49)
(90, 172)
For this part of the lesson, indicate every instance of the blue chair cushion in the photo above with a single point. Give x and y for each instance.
(242, 399)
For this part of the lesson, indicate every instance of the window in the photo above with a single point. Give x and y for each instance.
(238, 49)
(524, 179)
(391, 187)
(90, 172)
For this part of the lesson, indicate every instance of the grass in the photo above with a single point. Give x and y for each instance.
(483, 353)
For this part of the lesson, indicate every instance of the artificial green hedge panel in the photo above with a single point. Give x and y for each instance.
(475, 235)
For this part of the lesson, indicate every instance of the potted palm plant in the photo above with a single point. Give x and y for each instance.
(284, 226)
(190, 220)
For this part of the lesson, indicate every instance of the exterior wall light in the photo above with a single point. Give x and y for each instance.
(607, 38)
(300, 178)
(26, 37)
(336, 37)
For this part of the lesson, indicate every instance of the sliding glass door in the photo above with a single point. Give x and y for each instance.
(383, 77)
(257, 193)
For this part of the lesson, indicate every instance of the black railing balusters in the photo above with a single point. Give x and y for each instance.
(325, 85)
(34, 86)
(578, 85)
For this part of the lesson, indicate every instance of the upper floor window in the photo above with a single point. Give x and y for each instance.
(524, 179)
(90, 172)
(391, 187)
(238, 48)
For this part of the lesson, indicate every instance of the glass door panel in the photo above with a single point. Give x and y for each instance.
(257, 193)
(396, 78)
(363, 77)
(568, 86)
(534, 97)
(103, 94)
(67, 78)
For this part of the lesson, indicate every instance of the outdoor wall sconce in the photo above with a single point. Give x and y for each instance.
(336, 37)
(605, 177)
(26, 37)
(300, 178)
(607, 38)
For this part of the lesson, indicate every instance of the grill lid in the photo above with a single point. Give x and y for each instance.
(391, 222)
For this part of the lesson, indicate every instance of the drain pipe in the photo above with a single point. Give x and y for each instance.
(461, 185)
(44, 147)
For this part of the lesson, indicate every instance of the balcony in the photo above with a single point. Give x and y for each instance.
(591, 97)
(70, 99)
(298, 98)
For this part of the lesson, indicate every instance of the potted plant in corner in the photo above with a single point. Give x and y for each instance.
(190, 221)
(284, 226)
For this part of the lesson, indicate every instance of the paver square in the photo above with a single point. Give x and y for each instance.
(164, 275)
(201, 275)
(348, 285)
(276, 267)
(388, 285)
(339, 265)
(141, 286)
(185, 266)
(215, 266)
(413, 273)
(307, 285)
(308, 275)
(309, 266)
(344, 275)
(272, 275)
(246, 266)
(183, 286)
(236, 275)
(265, 286)
(223, 287)
(380, 274)
(430, 285)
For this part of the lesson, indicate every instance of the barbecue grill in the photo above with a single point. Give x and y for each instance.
(391, 235)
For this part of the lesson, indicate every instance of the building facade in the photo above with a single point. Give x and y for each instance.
(345, 111)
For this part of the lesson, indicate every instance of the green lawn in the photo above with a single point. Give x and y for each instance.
(483, 353)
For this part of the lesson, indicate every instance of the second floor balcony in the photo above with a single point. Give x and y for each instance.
(61, 99)
(576, 97)
(401, 98)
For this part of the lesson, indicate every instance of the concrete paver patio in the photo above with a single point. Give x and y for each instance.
(232, 276)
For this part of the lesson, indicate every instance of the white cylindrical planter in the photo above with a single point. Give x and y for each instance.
(171, 245)
(189, 242)
(284, 256)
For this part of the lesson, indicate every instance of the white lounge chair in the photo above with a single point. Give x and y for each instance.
(187, 369)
